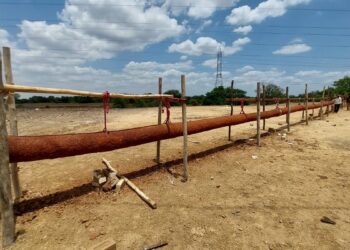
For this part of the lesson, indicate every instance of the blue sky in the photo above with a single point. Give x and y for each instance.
(124, 46)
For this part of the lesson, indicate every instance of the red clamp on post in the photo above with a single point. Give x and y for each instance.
(166, 104)
(242, 107)
(277, 100)
(106, 98)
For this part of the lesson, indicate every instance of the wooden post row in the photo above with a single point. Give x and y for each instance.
(184, 125)
(288, 106)
(263, 103)
(11, 103)
(258, 113)
(231, 113)
(306, 104)
(322, 101)
(6, 203)
(160, 83)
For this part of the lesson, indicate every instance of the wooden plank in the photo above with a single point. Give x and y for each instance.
(288, 106)
(143, 196)
(42, 90)
(322, 101)
(231, 113)
(11, 103)
(160, 86)
(184, 125)
(264, 104)
(6, 205)
(258, 113)
(306, 103)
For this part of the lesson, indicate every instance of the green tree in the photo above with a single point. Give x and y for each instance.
(218, 95)
(173, 92)
(342, 86)
(272, 90)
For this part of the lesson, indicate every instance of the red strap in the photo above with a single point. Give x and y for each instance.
(166, 104)
(277, 100)
(106, 98)
(242, 107)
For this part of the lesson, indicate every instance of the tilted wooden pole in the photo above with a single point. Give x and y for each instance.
(322, 101)
(231, 113)
(288, 106)
(306, 103)
(327, 109)
(160, 83)
(263, 103)
(11, 102)
(184, 124)
(313, 111)
(29, 89)
(258, 113)
(6, 204)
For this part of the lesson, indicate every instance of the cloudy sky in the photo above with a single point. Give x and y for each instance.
(125, 45)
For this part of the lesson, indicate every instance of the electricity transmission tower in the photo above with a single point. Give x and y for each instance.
(219, 81)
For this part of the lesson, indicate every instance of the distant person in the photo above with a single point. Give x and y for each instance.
(337, 103)
(348, 102)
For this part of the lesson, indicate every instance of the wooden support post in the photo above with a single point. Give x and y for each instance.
(231, 113)
(258, 113)
(288, 106)
(264, 103)
(327, 110)
(184, 125)
(306, 104)
(11, 102)
(322, 101)
(303, 113)
(160, 83)
(6, 204)
(313, 110)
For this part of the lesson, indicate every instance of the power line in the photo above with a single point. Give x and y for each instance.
(142, 29)
(55, 21)
(170, 6)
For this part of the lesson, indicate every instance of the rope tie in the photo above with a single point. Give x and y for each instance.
(242, 107)
(166, 102)
(106, 99)
(277, 101)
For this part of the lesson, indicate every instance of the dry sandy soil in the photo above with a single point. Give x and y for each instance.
(231, 201)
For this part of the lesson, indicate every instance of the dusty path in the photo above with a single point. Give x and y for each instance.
(230, 202)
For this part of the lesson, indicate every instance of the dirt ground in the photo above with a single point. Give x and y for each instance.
(231, 200)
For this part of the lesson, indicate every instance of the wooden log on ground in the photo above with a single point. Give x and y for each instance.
(143, 196)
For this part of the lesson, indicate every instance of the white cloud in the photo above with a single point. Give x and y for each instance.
(271, 8)
(183, 57)
(5, 39)
(211, 63)
(102, 30)
(204, 25)
(308, 73)
(243, 29)
(207, 45)
(197, 8)
(245, 69)
(293, 49)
